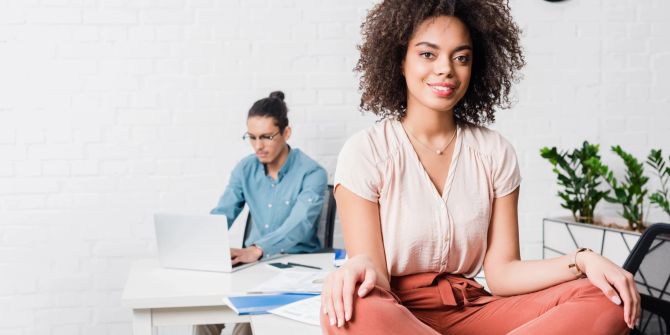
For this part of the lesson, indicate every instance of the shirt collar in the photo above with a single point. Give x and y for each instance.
(286, 166)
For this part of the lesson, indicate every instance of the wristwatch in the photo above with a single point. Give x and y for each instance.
(574, 267)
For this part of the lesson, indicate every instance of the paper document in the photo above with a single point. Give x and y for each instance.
(306, 310)
(292, 281)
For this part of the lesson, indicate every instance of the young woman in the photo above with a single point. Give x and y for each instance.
(428, 196)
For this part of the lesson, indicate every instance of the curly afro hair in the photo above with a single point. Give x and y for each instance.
(497, 55)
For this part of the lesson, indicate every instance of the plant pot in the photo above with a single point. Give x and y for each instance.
(561, 236)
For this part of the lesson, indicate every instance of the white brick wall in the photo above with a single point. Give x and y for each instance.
(110, 110)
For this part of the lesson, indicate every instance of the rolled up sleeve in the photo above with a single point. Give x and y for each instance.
(232, 201)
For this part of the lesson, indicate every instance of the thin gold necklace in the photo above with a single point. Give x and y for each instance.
(438, 151)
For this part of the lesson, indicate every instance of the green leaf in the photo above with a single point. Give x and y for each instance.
(578, 173)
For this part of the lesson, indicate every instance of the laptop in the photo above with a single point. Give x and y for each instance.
(194, 242)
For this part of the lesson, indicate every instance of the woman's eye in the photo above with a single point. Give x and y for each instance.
(426, 55)
(463, 59)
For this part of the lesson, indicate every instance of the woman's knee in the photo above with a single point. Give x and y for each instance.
(607, 315)
(604, 313)
(368, 312)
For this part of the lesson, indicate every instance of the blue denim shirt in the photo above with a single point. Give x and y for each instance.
(284, 211)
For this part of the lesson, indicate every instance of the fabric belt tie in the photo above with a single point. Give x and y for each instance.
(429, 289)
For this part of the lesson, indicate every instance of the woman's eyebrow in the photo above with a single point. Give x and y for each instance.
(462, 47)
(435, 46)
(428, 44)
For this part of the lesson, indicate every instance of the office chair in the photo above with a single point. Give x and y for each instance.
(650, 262)
(326, 222)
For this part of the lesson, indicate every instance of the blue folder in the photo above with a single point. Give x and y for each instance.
(340, 257)
(261, 304)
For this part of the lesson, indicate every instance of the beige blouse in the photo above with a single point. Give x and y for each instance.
(423, 231)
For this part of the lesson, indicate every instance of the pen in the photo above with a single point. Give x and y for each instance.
(303, 265)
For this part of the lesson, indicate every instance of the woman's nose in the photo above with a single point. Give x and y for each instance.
(443, 67)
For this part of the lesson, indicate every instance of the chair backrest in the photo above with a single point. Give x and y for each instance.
(650, 262)
(326, 221)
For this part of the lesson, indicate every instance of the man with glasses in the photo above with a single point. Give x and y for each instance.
(282, 186)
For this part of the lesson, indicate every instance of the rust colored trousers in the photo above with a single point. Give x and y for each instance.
(432, 303)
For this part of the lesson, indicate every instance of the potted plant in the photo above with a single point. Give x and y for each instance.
(660, 197)
(580, 174)
(577, 175)
(631, 192)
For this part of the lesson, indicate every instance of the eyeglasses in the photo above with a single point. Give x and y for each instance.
(264, 138)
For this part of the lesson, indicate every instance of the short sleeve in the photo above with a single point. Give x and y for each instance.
(506, 174)
(357, 168)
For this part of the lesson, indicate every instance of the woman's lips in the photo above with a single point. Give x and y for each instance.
(443, 90)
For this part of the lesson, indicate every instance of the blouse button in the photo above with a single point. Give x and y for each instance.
(267, 226)
(287, 202)
(269, 205)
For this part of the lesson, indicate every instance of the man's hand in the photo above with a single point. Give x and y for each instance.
(246, 255)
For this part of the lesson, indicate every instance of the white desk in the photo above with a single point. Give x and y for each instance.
(167, 297)
(273, 324)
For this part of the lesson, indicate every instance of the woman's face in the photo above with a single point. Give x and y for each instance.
(438, 64)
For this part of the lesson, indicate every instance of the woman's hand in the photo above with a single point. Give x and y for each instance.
(338, 288)
(617, 283)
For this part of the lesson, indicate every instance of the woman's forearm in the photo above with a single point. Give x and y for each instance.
(361, 229)
(519, 277)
